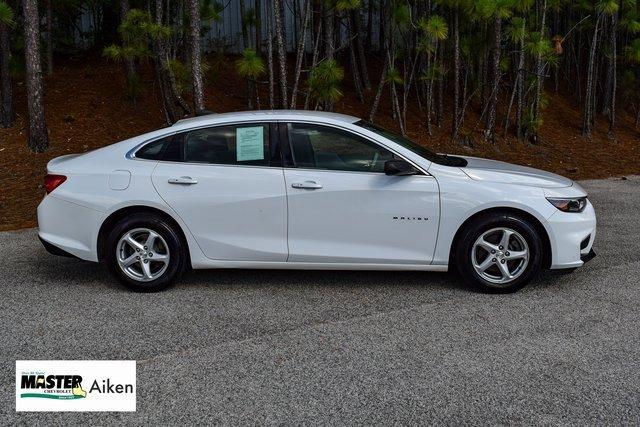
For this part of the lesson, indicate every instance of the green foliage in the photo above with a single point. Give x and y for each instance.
(435, 27)
(493, 9)
(530, 123)
(516, 30)
(631, 22)
(249, 18)
(136, 31)
(341, 5)
(401, 14)
(181, 74)
(426, 45)
(505, 64)
(211, 11)
(526, 5)
(6, 15)
(432, 73)
(538, 45)
(608, 7)
(324, 81)
(393, 76)
(632, 52)
(250, 65)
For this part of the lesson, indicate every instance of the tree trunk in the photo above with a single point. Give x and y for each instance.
(456, 70)
(314, 56)
(369, 25)
(329, 36)
(282, 56)
(364, 71)
(162, 71)
(614, 81)
(6, 109)
(588, 101)
(357, 83)
(245, 30)
(520, 88)
(489, 132)
(38, 139)
(129, 64)
(440, 112)
(540, 66)
(300, 52)
(258, 29)
(381, 83)
(49, 39)
(272, 103)
(196, 61)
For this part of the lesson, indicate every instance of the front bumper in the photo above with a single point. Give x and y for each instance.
(571, 236)
(588, 257)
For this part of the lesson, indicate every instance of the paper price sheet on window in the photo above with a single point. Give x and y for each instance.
(249, 144)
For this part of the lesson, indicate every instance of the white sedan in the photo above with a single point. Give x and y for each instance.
(307, 190)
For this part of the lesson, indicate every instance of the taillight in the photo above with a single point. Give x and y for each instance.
(51, 182)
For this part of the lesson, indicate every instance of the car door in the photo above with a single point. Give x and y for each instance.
(226, 183)
(343, 208)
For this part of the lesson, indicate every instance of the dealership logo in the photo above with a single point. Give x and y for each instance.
(75, 385)
(41, 385)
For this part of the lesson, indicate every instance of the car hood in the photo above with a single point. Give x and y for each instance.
(508, 173)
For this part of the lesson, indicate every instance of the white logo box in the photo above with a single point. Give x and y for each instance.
(75, 385)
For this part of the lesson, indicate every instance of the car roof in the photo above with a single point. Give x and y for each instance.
(316, 116)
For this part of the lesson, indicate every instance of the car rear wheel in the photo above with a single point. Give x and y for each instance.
(145, 253)
(499, 252)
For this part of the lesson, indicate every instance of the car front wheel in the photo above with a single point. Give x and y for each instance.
(499, 252)
(145, 253)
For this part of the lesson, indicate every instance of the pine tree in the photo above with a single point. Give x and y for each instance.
(38, 137)
(7, 22)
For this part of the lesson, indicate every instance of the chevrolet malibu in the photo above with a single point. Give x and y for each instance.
(307, 190)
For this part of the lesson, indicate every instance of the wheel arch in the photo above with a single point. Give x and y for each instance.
(535, 222)
(123, 212)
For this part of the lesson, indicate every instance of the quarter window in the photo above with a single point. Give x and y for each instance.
(154, 149)
(321, 147)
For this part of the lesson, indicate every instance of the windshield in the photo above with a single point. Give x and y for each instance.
(410, 145)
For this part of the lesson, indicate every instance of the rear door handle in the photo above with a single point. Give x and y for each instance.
(183, 180)
(307, 185)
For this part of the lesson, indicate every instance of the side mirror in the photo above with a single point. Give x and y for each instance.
(399, 168)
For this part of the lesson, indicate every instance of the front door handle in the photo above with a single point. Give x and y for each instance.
(307, 185)
(183, 180)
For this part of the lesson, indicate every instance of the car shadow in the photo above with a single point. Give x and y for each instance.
(70, 271)
(322, 278)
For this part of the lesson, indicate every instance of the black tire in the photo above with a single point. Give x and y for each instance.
(464, 251)
(177, 251)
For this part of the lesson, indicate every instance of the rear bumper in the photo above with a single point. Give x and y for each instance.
(68, 228)
(54, 250)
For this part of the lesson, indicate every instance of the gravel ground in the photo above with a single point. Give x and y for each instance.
(292, 347)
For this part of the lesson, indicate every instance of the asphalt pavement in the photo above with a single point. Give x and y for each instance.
(327, 347)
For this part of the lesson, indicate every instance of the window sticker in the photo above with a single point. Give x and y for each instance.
(249, 144)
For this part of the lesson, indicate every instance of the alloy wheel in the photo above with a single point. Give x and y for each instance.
(142, 254)
(500, 255)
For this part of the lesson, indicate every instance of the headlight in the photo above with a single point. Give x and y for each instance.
(574, 204)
